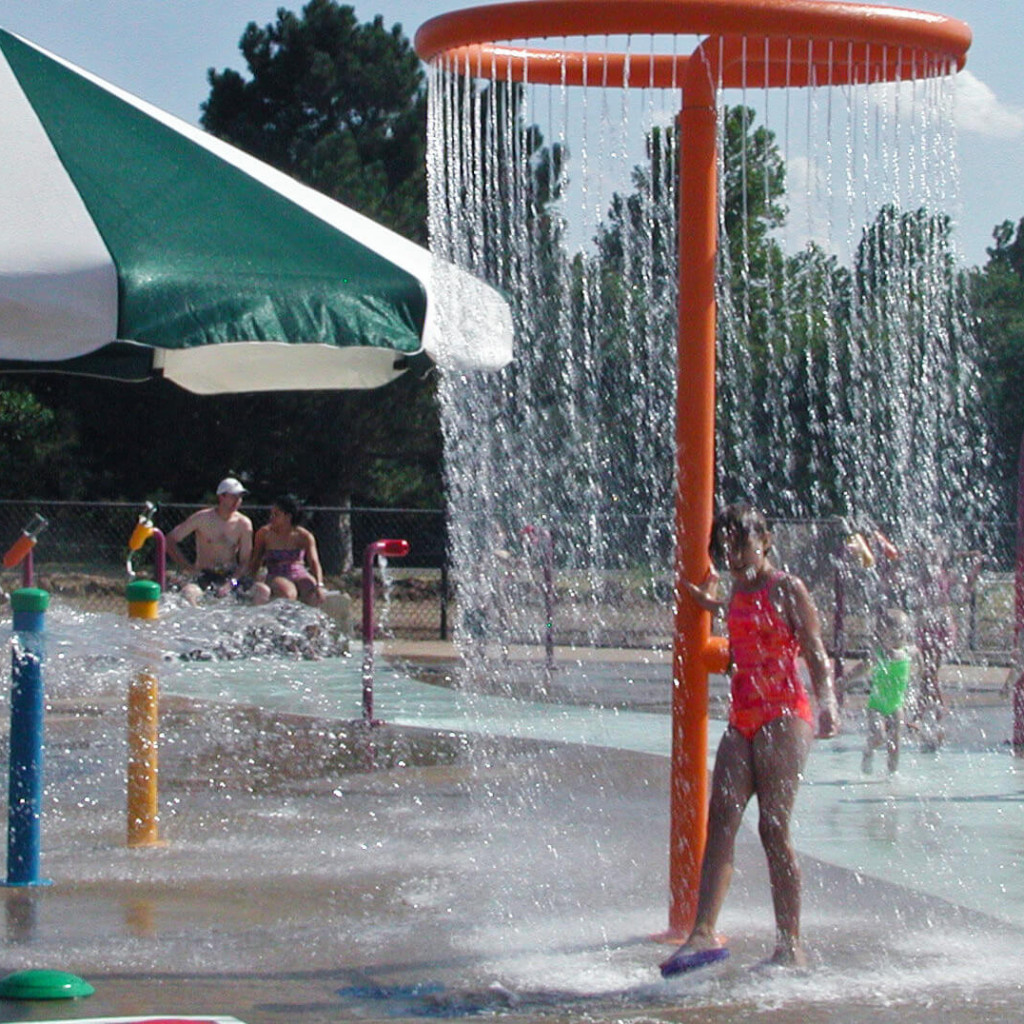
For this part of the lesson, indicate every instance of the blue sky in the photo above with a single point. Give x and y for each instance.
(160, 51)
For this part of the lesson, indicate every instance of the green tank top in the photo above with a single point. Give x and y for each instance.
(889, 680)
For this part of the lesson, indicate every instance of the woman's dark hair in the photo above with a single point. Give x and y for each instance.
(291, 507)
(733, 525)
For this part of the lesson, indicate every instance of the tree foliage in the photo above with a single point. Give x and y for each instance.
(337, 104)
(37, 453)
(997, 297)
(340, 105)
(841, 389)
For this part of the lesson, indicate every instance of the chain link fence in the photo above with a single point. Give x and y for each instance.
(81, 560)
(82, 556)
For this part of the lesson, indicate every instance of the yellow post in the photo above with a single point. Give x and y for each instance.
(143, 726)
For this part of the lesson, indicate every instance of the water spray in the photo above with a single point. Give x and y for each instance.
(744, 43)
(387, 549)
(542, 539)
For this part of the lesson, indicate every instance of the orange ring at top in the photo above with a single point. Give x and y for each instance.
(763, 27)
(557, 67)
(745, 61)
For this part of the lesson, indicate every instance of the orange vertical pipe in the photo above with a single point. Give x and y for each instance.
(695, 481)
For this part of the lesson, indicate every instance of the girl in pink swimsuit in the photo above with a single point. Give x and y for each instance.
(289, 553)
(764, 649)
(771, 620)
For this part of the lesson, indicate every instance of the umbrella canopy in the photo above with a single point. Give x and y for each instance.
(134, 244)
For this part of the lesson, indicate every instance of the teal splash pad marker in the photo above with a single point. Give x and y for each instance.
(44, 984)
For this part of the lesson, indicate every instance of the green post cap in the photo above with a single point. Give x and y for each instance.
(143, 590)
(44, 985)
(30, 599)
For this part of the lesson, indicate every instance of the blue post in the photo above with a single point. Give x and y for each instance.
(25, 791)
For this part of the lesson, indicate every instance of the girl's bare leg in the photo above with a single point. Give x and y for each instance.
(894, 725)
(282, 587)
(732, 785)
(779, 752)
(874, 739)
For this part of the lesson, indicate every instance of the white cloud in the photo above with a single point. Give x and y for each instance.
(978, 110)
(810, 208)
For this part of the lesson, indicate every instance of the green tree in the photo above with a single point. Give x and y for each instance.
(38, 454)
(341, 106)
(997, 298)
(337, 104)
(635, 279)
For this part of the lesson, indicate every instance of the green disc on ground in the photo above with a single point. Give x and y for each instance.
(43, 985)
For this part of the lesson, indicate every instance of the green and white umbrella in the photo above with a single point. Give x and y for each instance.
(134, 244)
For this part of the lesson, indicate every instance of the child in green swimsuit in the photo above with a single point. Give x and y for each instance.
(889, 672)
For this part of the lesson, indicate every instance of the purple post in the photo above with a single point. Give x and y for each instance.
(542, 537)
(28, 570)
(390, 549)
(839, 623)
(1018, 632)
(160, 559)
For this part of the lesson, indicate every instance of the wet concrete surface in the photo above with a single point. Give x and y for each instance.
(517, 880)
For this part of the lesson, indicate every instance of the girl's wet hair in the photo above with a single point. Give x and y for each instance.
(292, 507)
(733, 525)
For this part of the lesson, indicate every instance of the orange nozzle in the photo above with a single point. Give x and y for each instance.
(18, 550)
(716, 654)
(142, 532)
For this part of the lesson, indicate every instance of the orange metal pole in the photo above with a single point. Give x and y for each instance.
(695, 481)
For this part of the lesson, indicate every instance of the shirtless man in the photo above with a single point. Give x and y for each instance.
(223, 543)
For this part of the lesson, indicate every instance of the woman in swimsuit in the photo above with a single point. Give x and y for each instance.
(289, 553)
(771, 619)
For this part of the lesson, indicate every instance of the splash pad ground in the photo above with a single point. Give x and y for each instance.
(297, 886)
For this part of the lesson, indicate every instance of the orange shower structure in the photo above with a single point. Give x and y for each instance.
(743, 43)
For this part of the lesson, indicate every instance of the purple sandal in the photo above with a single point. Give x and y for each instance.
(683, 960)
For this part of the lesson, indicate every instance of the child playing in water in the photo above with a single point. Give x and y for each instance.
(943, 581)
(890, 673)
(771, 618)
